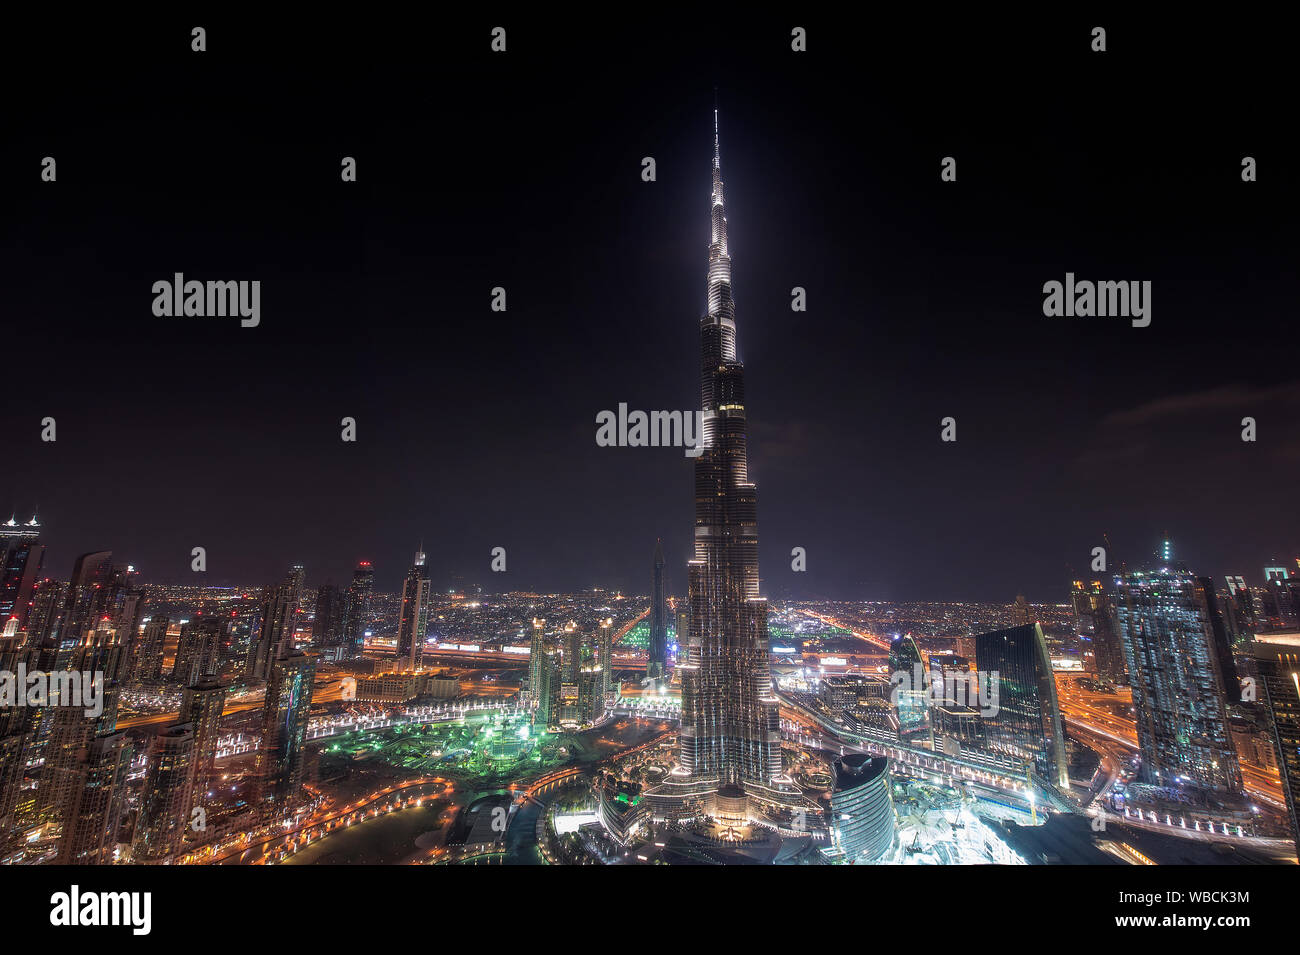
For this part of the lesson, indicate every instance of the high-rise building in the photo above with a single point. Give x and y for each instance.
(907, 671)
(950, 672)
(66, 733)
(82, 783)
(863, 825)
(1027, 724)
(1281, 596)
(46, 617)
(1176, 673)
(22, 556)
(128, 622)
(356, 616)
(657, 660)
(91, 820)
(547, 692)
(730, 731)
(536, 659)
(1240, 613)
(545, 672)
(1021, 612)
(148, 663)
(572, 649)
(87, 596)
(1094, 621)
(328, 620)
(413, 621)
(606, 689)
(167, 795)
(1220, 639)
(572, 711)
(591, 705)
(73, 630)
(15, 728)
(201, 706)
(1277, 659)
(279, 620)
(280, 759)
(198, 652)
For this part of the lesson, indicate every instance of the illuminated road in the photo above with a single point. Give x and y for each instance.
(1107, 715)
(802, 727)
(870, 638)
(256, 853)
(328, 689)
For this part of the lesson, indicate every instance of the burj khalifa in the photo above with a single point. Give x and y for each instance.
(730, 731)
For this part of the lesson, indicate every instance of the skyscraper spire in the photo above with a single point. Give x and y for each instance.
(717, 154)
(730, 729)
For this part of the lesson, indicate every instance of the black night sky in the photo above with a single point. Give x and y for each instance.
(477, 429)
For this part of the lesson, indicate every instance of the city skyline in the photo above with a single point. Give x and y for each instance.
(387, 487)
(1068, 428)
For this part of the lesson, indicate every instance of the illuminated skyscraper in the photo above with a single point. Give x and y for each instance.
(88, 597)
(657, 661)
(863, 825)
(536, 658)
(15, 726)
(284, 726)
(1281, 595)
(1176, 672)
(128, 621)
(279, 619)
(908, 673)
(572, 649)
(83, 781)
(148, 663)
(414, 619)
(729, 729)
(544, 671)
(1240, 614)
(356, 616)
(1027, 724)
(327, 621)
(1021, 612)
(607, 659)
(22, 555)
(167, 794)
(201, 706)
(13, 749)
(198, 653)
(547, 689)
(1277, 658)
(91, 819)
(1094, 621)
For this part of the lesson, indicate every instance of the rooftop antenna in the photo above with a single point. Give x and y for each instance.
(716, 154)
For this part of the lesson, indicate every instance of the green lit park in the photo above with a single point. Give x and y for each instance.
(483, 750)
(451, 764)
